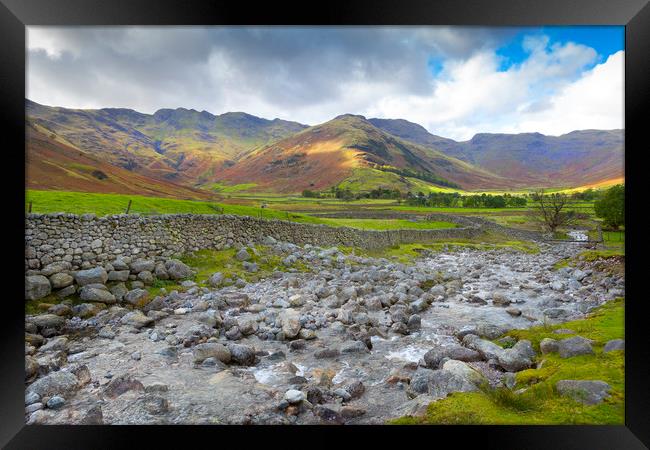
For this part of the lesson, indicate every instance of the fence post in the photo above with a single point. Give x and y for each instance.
(128, 208)
(600, 234)
(30, 207)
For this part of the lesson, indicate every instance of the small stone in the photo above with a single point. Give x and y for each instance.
(293, 396)
(350, 412)
(345, 395)
(515, 312)
(414, 323)
(243, 255)
(55, 402)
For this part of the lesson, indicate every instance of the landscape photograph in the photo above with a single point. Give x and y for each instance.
(292, 225)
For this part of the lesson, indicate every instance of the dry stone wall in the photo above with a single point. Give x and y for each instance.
(87, 241)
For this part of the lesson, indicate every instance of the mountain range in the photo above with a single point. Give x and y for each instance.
(181, 152)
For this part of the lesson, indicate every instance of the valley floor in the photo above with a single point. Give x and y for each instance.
(339, 337)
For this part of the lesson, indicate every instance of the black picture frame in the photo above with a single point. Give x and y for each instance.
(16, 14)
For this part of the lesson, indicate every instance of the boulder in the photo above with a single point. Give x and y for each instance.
(589, 392)
(142, 264)
(290, 323)
(118, 275)
(243, 255)
(517, 358)
(177, 270)
(136, 319)
(614, 344)
(55, 267)
(574, 346)
(438, 383)
(464, 371)
(122, 384)
(61, 280)
(61, 382)
(44, 321)
(136, 296)
(215, 279)
(242, 354)
(93, 294)
(488, 350)
(37, 286)
(91, 276)
(434, 357)
(548, 345)
(293, 396)
(201, 352)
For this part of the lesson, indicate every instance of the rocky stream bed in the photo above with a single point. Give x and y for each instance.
(355, 340)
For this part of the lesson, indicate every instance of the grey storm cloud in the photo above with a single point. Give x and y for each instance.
(298, 73)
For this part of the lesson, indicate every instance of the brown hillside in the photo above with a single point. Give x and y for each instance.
(53, 164)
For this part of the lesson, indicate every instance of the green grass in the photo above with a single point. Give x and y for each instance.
(386, 224)
(207, 262)
(540, 403)
(406, 253)
(105, 204)
(226, 189)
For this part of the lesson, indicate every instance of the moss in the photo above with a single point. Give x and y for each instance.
(207, 262)
(539, 402)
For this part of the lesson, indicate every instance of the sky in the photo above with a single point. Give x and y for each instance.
(454, 81)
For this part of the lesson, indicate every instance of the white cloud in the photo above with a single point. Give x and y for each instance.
(548, 93)
(313, 74)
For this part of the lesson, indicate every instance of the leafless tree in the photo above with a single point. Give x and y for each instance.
(552, 210)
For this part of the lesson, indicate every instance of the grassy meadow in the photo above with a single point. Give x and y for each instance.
(106, 204)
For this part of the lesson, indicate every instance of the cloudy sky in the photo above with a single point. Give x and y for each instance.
(454, 81)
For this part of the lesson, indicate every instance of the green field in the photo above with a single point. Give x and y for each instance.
(538, 402)
(385, 224)
(106, 204)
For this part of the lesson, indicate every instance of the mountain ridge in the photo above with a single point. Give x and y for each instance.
(197, 148)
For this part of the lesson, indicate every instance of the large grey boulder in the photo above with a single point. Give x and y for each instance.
(43, 321)
(118, 275)
(91, 276)
(55, 267)
(575, 346)
(438, 383)
(142, 264)
(434, 357)
(290, 323)
(136, 319)
(589, 392)
(487, 349)
(548, 345)
(241, 354)
(215, 279)
(60, 280)
(517, 358)
(464, 371)
(136, 296)
(201, 352)
(37, 286)
(93, 294)
(177, 270)
(614, 344)
(56, 383)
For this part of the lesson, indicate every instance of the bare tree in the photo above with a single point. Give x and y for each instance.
(551, 210)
